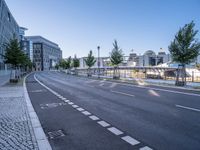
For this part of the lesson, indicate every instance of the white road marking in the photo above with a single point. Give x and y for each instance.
(115, 131)
(103, 123)
(113, 85)
(158, 89)
(122, 93)
(75, 106)
(130, 140)
(189, 108)
(80, 109)
(37, 91)
(146, 148)
(94, 117)
(154, 93)
(70, 103)
(86, 113)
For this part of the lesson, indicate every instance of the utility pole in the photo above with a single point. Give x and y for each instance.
(98, 48)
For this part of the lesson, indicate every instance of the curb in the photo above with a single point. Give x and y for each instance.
(43, 143)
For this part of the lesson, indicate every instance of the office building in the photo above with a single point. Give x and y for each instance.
(46, 54)
(8, 28)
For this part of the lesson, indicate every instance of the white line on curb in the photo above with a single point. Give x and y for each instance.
(115, 131)
(130, 140)
(189, 108)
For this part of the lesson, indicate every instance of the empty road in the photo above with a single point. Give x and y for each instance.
(86, 114)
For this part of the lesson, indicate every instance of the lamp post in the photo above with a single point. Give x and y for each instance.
(98, 48)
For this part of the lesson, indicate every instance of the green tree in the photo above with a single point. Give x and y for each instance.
(116, 57)
(69, 62)
(57, 66)
(184, 48)
(90, 61)
(63, 64)
(76, 64)
(14, 56)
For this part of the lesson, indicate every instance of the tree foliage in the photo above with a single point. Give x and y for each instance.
(76, 62)
(14, 55)
(184, 48)
(69, 62)
(63, 64)
(90, 60)
(116, 56)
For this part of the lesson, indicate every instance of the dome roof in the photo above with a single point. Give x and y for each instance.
(149, 52)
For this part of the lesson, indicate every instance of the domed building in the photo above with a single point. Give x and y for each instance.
(150, 53)
(150, 58)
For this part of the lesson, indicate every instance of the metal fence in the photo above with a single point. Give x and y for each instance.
(141, 73)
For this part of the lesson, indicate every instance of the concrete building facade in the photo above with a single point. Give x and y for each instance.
(8, 28)
(46, 54)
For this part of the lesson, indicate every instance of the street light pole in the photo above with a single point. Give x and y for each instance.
(98, 48)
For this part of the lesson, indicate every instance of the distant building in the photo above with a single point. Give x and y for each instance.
(26, 44)
(8, 28)
(104, 62)
(149, 58)
(27, 47)
(46, 54)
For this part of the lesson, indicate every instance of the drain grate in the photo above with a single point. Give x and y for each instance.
(56, 134)
(51, 105)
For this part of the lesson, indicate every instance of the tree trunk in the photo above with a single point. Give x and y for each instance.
(116, 73)
(181, 72)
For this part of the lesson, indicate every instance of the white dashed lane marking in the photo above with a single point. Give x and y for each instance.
(146, 148)
(70, 103)
(130, 140)
(86, 113)
(115, 131)
(122, 93)
(189, 108)
(75, 106)
(103, 123)
(80, 109)
(94, 117)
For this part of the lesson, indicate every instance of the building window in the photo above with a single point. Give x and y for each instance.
(9, 17)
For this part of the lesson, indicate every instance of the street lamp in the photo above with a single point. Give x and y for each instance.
(98, 48)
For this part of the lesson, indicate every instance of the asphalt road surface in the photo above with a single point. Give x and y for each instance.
(85, 114)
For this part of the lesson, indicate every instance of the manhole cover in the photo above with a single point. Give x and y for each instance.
(56, 134)
(51, 105)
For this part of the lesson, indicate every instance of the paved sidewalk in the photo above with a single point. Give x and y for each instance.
(16, 132)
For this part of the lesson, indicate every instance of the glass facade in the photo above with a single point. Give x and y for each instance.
(8, 28)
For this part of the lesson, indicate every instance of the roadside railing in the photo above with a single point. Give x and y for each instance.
(141, 73)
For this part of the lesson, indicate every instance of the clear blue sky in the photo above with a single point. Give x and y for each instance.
(81, 25)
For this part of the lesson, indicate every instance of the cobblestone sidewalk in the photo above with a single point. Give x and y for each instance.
(16, 132)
